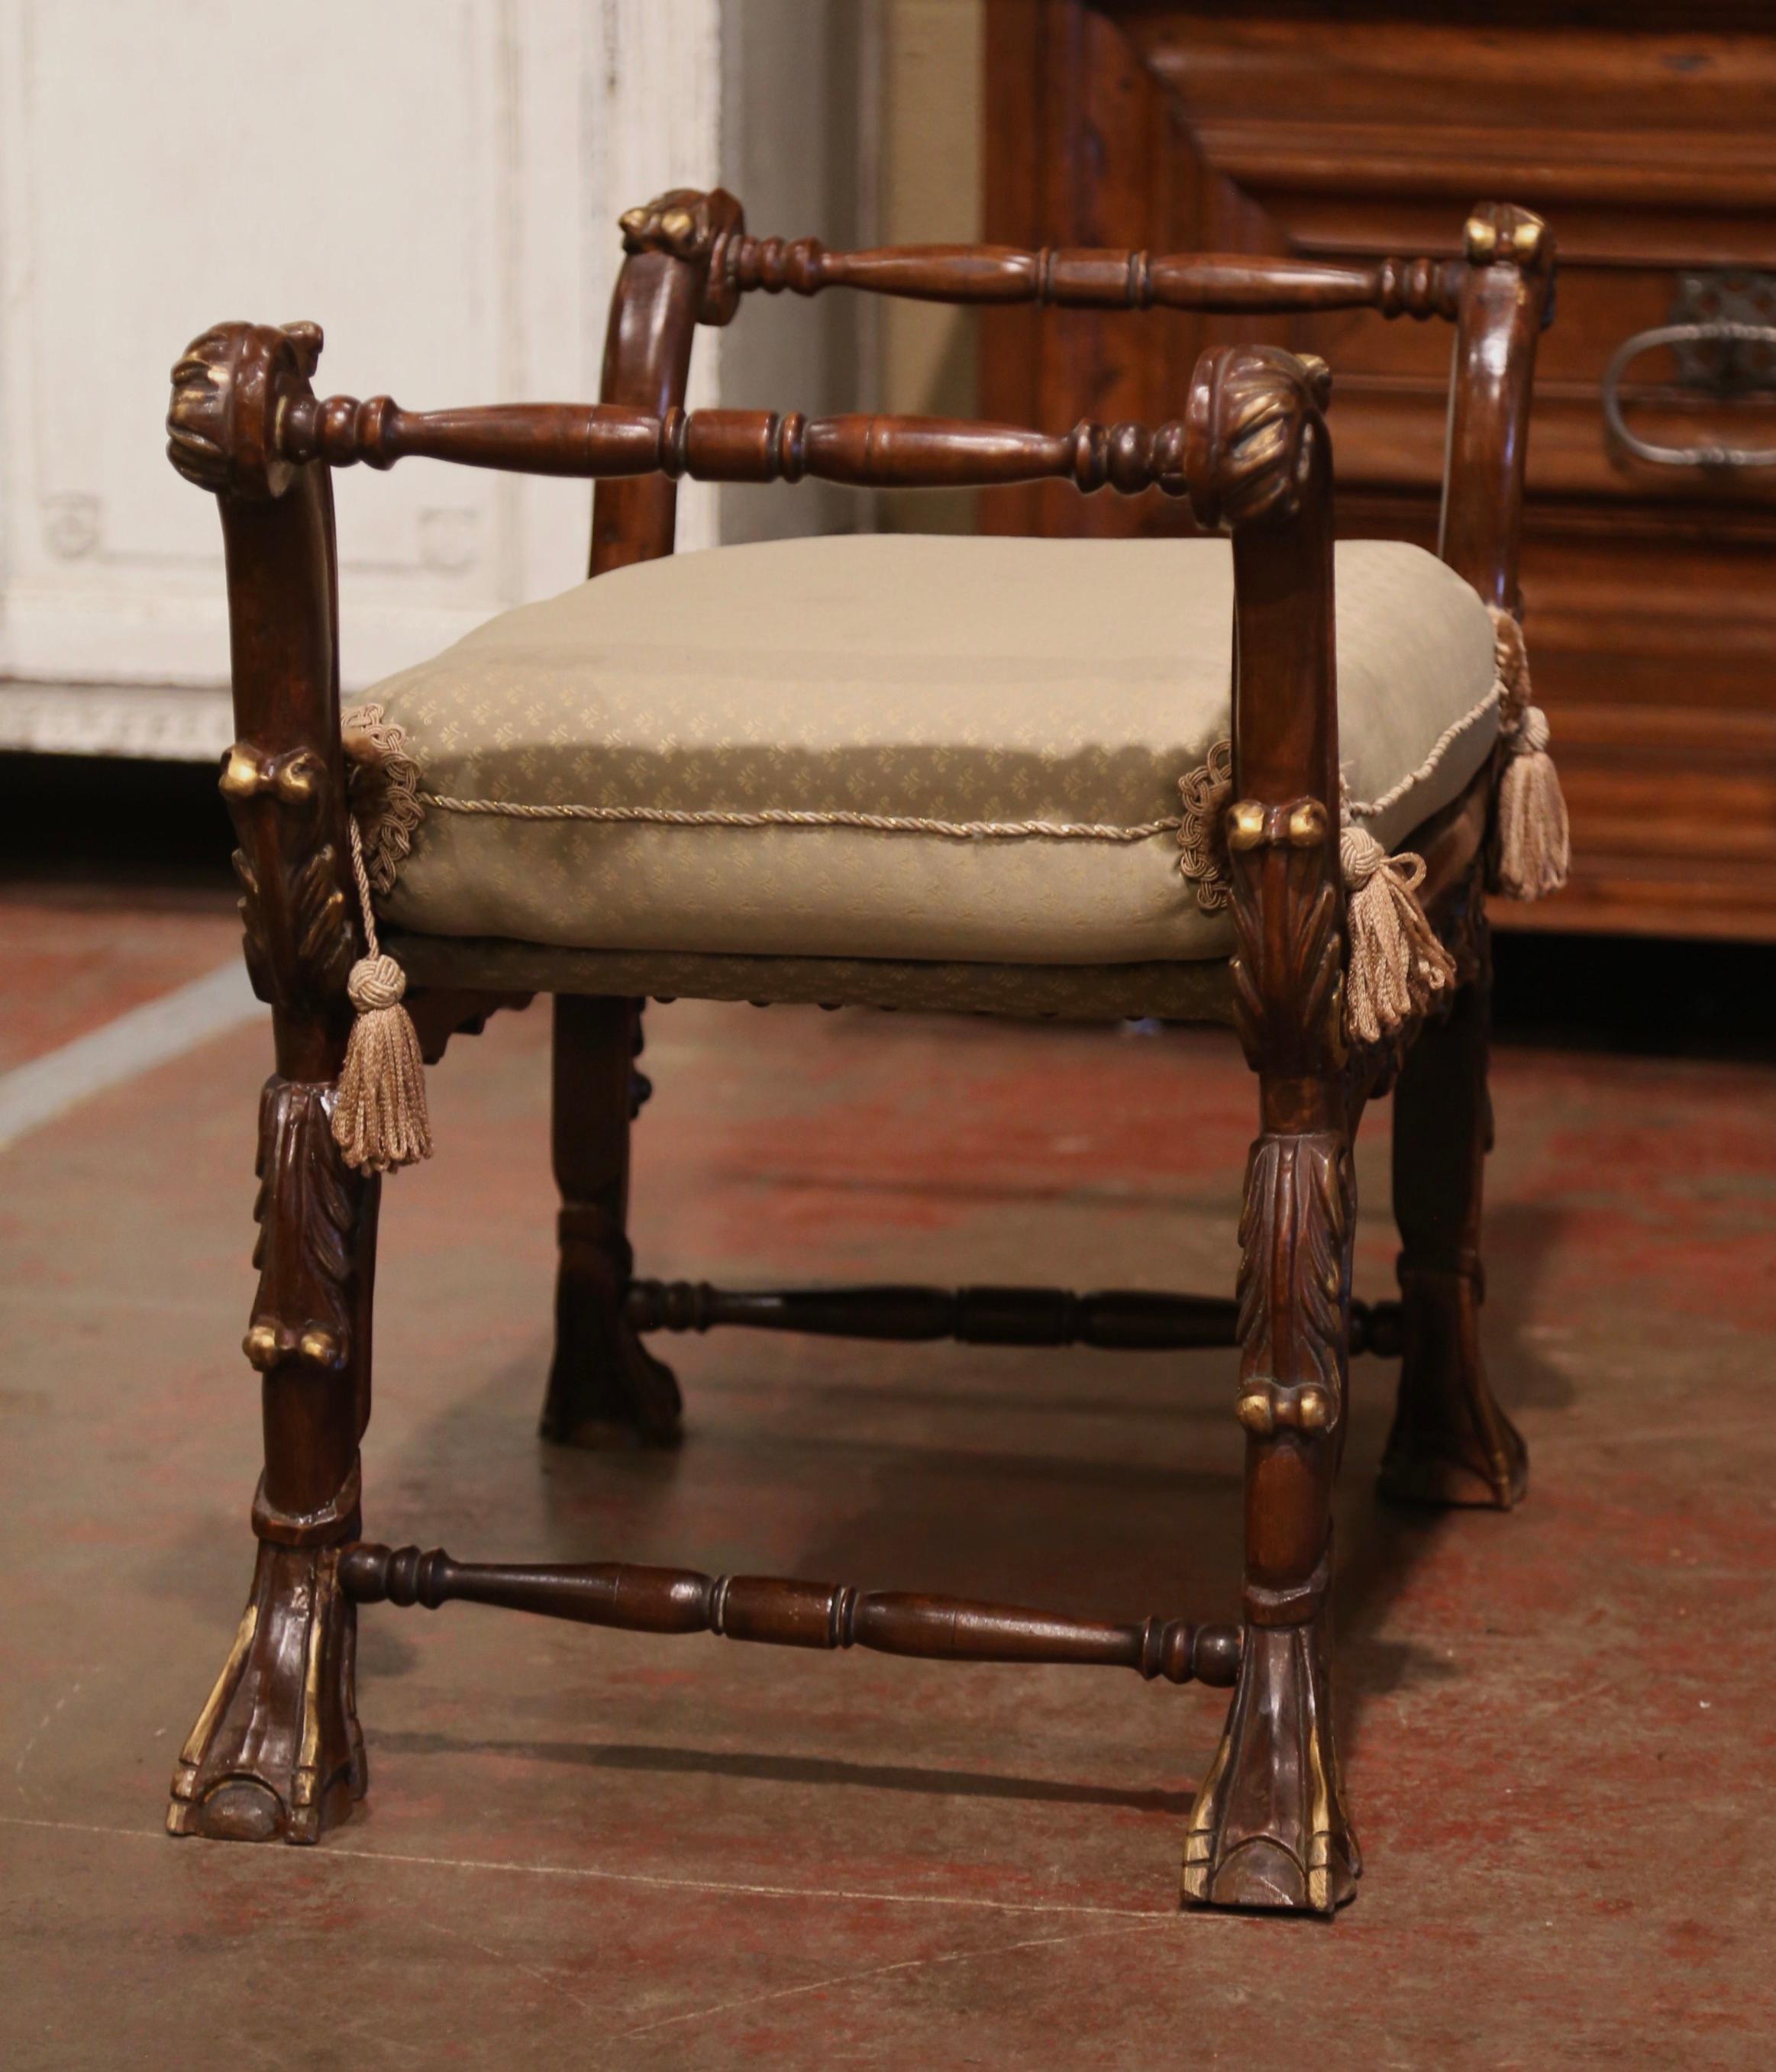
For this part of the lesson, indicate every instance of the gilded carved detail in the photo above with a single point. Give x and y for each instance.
(698, 229)
(299, 936)
(1295, 1229)
(276, 1754)
(230, 389)
(1253, 424)
(1288, 981)
(1499, 232)
(1293, 1846)
(308, 1209)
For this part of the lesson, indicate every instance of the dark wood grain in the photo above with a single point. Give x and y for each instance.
(1503, 305)
(1451, 1442)
(1234, 284)
(1269, 1827)
(781, 1612)
(1645, 134)
(866, 450)
(662, 288)
(277, 1751)
(1123, 1318)
(1118, 1320)
(602, 1381)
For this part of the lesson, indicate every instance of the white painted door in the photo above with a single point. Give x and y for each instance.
(436, 181)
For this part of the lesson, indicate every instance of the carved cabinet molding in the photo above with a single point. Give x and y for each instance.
(1645, 134)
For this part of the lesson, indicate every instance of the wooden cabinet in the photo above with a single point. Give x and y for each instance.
(1646, 135)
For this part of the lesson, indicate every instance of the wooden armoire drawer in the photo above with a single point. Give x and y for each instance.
(1647, 136)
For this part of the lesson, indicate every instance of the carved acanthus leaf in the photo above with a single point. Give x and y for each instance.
(309, 1207)
(1295, 1231)
(1289, 1010)
(300, 939)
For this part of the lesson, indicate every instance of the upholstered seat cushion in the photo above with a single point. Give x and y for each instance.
(1005, 686)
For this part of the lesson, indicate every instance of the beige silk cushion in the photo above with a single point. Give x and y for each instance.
(964, 679)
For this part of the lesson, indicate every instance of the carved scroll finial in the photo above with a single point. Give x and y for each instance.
(698, 229)
(1252, 430)
(230, 390)
(1499, 232)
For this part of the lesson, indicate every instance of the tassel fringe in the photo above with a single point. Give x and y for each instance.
(1532, 847)
(1396, 965)
(380, 1120)
(1207, 791)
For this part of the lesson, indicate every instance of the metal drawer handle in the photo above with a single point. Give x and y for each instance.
(1721, 331)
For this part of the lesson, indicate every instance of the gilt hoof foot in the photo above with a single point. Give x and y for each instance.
(276, 1754)
(1269, 1828)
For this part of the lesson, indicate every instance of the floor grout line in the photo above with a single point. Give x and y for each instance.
(1147, 1925)
(653, 1880)
(120, 1050)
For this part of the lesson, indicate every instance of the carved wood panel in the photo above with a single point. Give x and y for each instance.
(1645, 134)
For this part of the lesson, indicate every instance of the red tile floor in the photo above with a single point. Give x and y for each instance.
(585, 1849)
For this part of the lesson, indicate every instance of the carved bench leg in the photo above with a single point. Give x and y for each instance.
(604, 1379)
(1269, 1827)
(276, 1754)
(1451, 1443)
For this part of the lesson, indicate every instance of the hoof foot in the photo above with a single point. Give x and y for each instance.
(1269, 1828)
(1448, 1480)
(1451, 1443)
(606, 1389)
(276, 1754)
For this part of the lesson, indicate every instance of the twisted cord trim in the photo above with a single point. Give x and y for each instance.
(1205, 790)
(1366, 809)
(1208, 788)
(778, 816)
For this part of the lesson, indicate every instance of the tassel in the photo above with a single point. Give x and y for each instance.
(1397, 966)
(1532, 847)
(379, 1114)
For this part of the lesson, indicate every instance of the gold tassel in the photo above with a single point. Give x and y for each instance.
(1532, 845)
(379, 1112)
(1397, 966)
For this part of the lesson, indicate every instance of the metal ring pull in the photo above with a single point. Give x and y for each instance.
(1720, 330)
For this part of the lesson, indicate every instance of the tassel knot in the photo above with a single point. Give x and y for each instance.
(1362, 856)
(376, 983)
(1397, 965)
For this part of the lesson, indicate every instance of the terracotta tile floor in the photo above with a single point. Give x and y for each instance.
(592, 1849)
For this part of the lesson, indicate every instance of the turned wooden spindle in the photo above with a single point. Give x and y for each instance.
(527, 438)
(1065, 278)
(1115, 1319)
(784, 1613)
(866, 450)
(1125, 1319)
